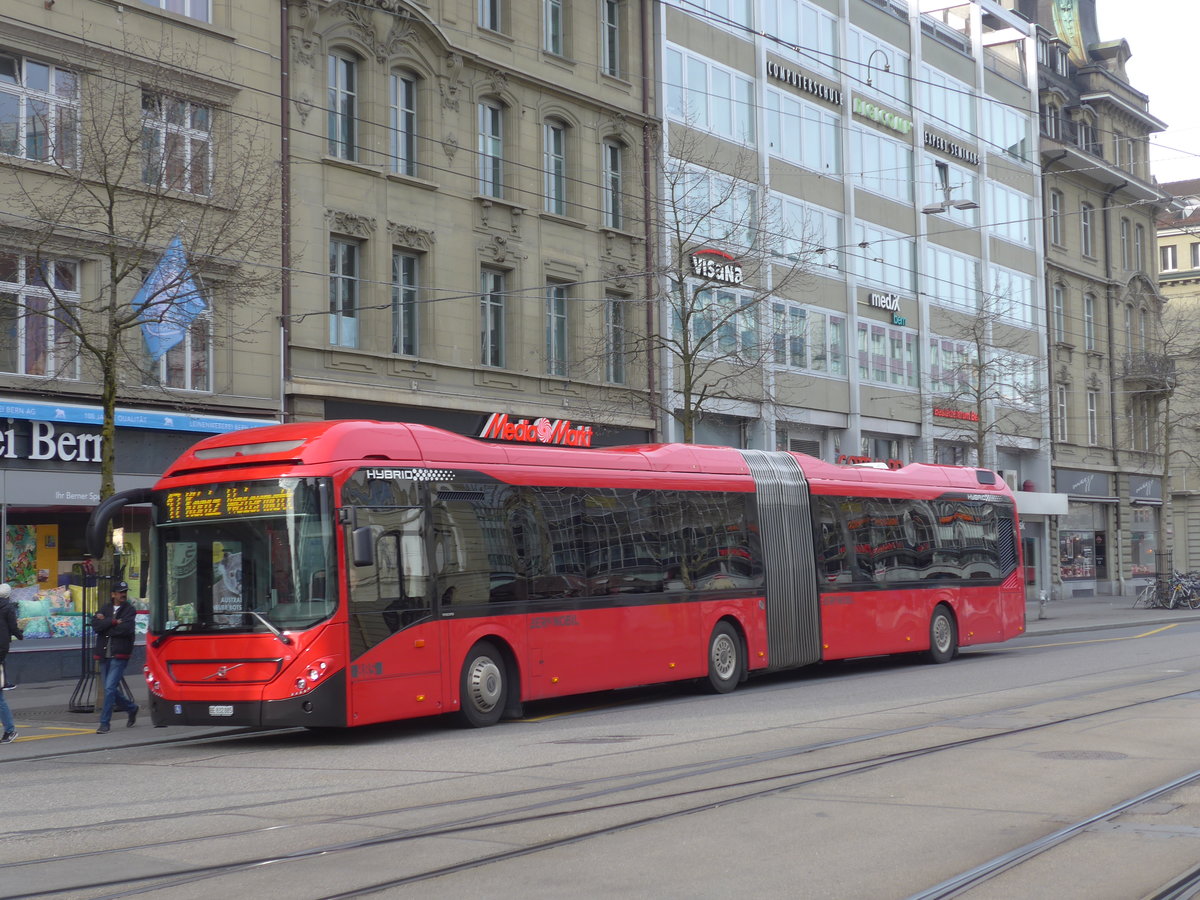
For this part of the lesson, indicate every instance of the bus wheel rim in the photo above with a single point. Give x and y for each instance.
(485, 684)
(724, 657)
(941, 633)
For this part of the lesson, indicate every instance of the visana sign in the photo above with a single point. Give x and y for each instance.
(716, 266)
(43, 442)
(540, 431)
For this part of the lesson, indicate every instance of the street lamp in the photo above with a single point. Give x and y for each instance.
(887, 66)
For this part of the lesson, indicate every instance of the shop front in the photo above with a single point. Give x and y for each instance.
(49, 484)
(1083, 533)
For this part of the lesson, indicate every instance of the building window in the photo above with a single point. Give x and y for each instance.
(1143, 329)
(556, 329)
(1086, 137)
(1085, 228)
(808, 339)
(612, 186)
(952, 370)
(402, 111)
(1056, 213)
(552, 26)
(803, 133)
(1139, 247)
(343, 111)
(1093, 418)
(614, 340)
(1126, 245)
(491, 317)
(491, 14)
(883, 166)
(1089, 322)
(1195, 254)
(1060, 313)
(404, 302)
(343, 293)
(1129, 330)
(193, 9)
(176, 144)
(1061, 413)
(1168, 258)
(1008, 213)
(887, 355)
(1051, 121)
(886, 258)
(610, 37)
(491, 149)
(187, 366)
(39, 111)
(723, 323)
(554, 155)
(35, 317)
(708, 96)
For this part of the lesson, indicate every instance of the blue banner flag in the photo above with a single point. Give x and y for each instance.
(169, 300)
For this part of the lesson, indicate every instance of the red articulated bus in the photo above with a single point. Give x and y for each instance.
(349, 572)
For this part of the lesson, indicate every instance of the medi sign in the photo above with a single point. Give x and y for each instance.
(560, 432)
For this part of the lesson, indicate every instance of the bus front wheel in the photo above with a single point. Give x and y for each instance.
(725, 661)
(484, 686)
(943, 636)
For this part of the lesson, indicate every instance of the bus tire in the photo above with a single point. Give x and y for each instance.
(725, 659)
(943, 636)
(483, 687)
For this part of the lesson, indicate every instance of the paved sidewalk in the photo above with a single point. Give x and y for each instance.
(42, 709)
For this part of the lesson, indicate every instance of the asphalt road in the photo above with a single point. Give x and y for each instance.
(871, 779)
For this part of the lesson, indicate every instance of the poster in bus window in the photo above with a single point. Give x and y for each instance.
(227, 578)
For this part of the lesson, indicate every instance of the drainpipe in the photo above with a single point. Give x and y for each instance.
(649, 191)
(1112, 385)
(285, 209)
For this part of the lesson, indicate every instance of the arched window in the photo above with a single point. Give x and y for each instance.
(554, 156)
(343, 105)
(491, 148)
(402, 119)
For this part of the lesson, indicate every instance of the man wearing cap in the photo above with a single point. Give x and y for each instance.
(114, 627)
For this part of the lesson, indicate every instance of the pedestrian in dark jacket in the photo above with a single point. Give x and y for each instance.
(8, 631)
(114, 627)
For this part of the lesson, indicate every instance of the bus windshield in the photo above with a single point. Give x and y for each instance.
(249, 556)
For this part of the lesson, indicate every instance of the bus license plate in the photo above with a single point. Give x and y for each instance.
(220, 710)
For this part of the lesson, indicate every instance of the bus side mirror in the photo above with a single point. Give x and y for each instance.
(362, 542)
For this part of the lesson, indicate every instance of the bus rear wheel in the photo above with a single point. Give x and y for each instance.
(484, 686)
(943, 636)
(725, 662)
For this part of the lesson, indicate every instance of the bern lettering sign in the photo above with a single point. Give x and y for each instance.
(42, 443)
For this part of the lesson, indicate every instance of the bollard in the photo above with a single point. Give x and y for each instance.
(1041, 604)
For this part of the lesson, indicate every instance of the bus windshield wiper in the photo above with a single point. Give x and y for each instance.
(270, 626)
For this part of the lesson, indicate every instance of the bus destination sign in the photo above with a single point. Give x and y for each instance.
(224, 501)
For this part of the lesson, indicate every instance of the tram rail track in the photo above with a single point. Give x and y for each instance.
(584, 798)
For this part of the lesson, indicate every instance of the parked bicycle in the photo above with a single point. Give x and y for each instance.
(1179, 590)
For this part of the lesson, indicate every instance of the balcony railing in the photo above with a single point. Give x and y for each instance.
(1150, 371)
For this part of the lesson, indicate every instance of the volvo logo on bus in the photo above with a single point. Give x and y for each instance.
(539, 431)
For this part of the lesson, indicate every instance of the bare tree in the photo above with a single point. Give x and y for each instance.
(142, 153)
(726, 249)
(981, 385)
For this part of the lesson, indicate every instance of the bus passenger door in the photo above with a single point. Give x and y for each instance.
(394, 649)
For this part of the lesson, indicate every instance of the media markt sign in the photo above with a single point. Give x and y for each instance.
(560, 432)
(715, 265)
